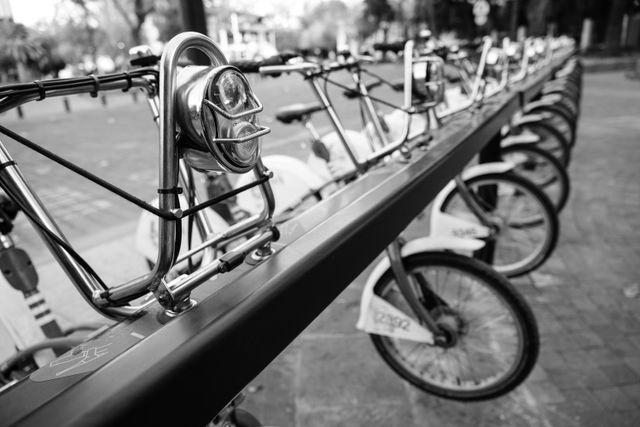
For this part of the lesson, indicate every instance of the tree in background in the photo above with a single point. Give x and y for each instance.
(135, 16)
(424, 12)
(51, 61)
(376, 15)
(322, 23)
(19, 50)
(538, 13)
(614, 25)
(91, 27)
(167, 18)
(288, 39)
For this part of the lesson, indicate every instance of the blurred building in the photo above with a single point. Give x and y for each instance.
(5, 10)
(607, 25)
(244, 35)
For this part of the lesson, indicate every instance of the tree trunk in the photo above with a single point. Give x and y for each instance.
(194, 19)
(537, 17)
(136, 37)
(433, 22)
(513, 19)
(614, 26)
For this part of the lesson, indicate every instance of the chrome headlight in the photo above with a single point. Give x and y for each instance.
(497, 60)
(428, 80)
(216, 111)
(493, 56)
(512, 50)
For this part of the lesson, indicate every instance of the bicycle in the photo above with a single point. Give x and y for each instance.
(442, 324)
(533, 159)
(216, 112)
(468, 207)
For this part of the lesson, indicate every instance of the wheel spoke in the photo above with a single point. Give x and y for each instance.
(487, 340)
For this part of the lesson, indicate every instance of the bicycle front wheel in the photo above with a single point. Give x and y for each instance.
(494, 336)
(526, 224)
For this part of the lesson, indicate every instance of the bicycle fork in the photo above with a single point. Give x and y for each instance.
(473, 203)
(419, 308)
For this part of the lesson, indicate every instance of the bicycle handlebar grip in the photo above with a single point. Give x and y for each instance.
(442, 52)
(247, 66)
(287, 55)
(470, 44)
(145, 61)
(353, 91)
(390, 47)
(251, 66)
(276, 70)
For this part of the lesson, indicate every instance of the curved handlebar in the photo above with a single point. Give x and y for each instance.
(253, 66)
(311, 67)
(276, 70)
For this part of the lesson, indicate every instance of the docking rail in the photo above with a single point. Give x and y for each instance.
(185, 371)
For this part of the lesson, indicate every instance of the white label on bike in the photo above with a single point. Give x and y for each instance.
(523, 138)
(382, 318)
(444, 224)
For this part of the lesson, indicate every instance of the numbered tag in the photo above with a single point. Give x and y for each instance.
(381, 318)
(444, 224)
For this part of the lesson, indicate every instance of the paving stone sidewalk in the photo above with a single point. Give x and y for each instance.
(588, 372)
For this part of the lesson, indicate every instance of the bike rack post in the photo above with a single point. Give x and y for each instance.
(490, 153)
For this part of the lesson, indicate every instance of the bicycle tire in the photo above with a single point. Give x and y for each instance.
(558, 118)
(544, 216)
(567, 100)
(493, 286)
(242, 418)
(555, 183)
(551, 140)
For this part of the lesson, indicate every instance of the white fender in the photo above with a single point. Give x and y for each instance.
(525, 137)
(395, 123)
(453, 99)
(468, 173)
(292, 181)
(486, 168)
(443, 224)
(340, 163)
(377, 316)
(146, 242)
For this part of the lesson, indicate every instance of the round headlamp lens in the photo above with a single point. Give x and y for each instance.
(243, 153)
(232, 92)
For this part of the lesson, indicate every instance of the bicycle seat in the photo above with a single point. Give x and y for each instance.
(353, 91)
(398, 86)
(291, 113)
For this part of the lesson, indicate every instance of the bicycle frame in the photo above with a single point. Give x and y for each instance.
(488, 226)
(173, 295)
(312, 72)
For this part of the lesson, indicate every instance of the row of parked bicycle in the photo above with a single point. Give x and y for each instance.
(444, 320)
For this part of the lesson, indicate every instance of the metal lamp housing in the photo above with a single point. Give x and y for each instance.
(216, 113)
(428, 80)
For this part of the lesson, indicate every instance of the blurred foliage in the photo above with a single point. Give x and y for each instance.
(168, 19)
(88, 29)
(322, 23)
(134, 14)
(24, 51)
(375, 14)
(83, 31)
(287, 39)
